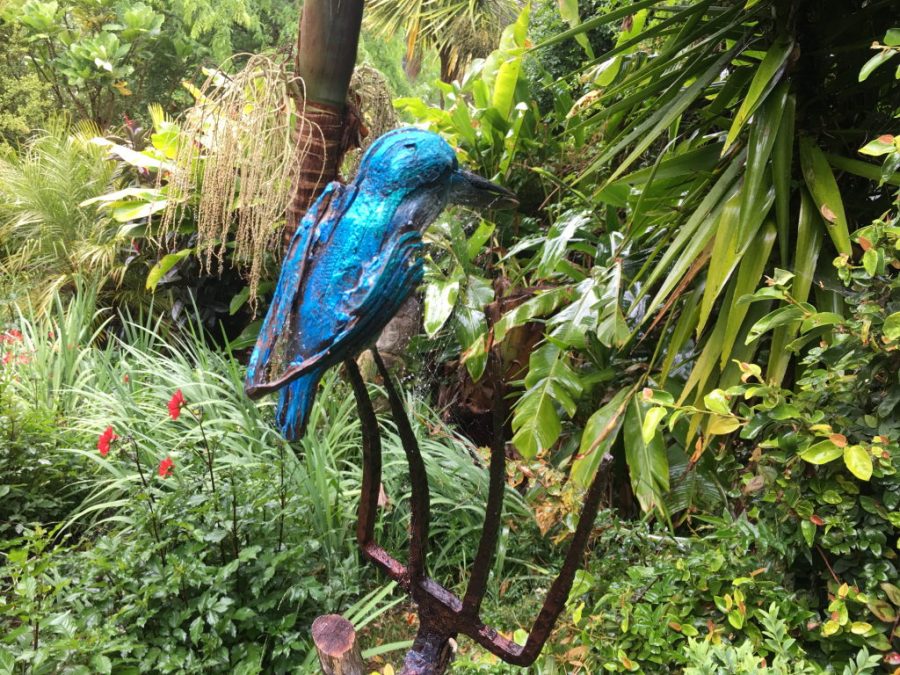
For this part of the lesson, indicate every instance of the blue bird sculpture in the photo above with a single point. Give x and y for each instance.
(352, 263)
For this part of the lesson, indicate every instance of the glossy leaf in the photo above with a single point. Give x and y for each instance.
(598, 437)
(858, 461)
(161, 268)
(764, 80)
(821, 453)
(825, 193)
(648, 464)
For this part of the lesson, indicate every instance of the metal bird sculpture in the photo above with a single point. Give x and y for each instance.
(353, 262)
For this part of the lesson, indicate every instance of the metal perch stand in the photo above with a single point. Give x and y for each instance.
(442, 614)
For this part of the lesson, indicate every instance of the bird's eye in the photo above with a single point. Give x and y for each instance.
(411, 146)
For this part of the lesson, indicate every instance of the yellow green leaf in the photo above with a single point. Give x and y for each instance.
(858, 461)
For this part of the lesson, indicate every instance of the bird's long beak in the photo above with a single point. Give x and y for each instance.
(470, 189)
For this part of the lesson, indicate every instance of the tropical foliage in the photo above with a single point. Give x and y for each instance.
(702, 282)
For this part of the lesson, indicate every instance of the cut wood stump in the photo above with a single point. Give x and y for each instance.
(335, 640)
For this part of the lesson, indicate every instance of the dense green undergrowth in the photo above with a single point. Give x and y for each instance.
(702, 280)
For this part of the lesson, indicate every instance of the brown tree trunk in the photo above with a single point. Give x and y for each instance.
(326, 126)
(336, 644)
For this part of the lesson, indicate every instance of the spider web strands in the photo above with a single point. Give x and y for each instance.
(236, 161)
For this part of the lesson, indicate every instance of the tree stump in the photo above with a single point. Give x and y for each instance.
(335, 640)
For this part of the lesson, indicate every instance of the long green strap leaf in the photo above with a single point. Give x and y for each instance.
(782, 160)
(765, 79)
(753, 264)
(825, 193)
(809, 243)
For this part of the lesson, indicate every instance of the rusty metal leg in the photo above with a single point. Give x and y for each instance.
(418, 478)
(371, 447)
(487, 546)
(431, 651)
(371, 481)
(559, 589)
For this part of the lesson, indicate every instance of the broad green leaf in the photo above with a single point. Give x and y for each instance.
(571, 325)
(720, 426)
(859, 461)
(471, 325)
(690, 308)
(891, 327)
(763, 133)
(440, 299)
(550, 381)
(882, 145)
(825, 193)
(558, 237)
(821, 453)
(568, 10)
(717, 401)
(540, 305)
(504, 85)
(651, 422)
(820, 319)
(598, 437)
(870, 262)
(478, 239)
(892, 592)
(126, 211)
(167, 262)
(728, 249)
(767, 76)
(879, 59)
(648, 464)
(779, 317)
(610, 68)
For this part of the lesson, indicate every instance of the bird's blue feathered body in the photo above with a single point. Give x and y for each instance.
(349, 267)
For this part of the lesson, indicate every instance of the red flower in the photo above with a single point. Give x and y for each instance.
(105, 440)
(165, 467)
(176, 403)
(7, 358)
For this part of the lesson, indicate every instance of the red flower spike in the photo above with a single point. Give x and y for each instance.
(176, 403)
(105, 440)
(165, 467)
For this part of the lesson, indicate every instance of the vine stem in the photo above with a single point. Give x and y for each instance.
(151, 501)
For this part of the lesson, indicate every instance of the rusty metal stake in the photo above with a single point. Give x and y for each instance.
(442, 615)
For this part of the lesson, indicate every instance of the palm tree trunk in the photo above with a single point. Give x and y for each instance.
(326, 125)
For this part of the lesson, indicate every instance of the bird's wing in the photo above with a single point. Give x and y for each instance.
(279, 319)
(348, 291)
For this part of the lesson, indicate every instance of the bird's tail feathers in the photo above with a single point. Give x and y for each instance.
(295, 403)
